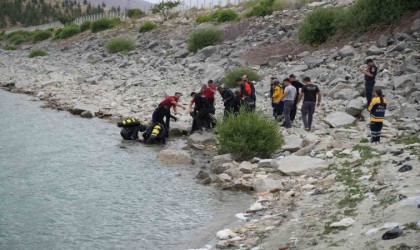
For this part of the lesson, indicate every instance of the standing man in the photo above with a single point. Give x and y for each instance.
(172, 102)
(252, 95)
(289, 100)
(309, 93)
(370, 75)
(227, 98)
(298, 85)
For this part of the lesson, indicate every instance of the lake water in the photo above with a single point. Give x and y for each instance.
(72, 183)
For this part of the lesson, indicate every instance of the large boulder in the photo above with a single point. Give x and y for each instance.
(292, 143)
(346, 94)
(339, 119)
(179, 128)
(382, 41)
(79, 108)
(408, 111)
(182, 53)
(300, 165)
(200, 140)
(219, 160)
(312, 62)
(213, 72)
(172, 156)
(267, 185)
(373, 51)
(347, 51)
(208, 51)
(354, 107)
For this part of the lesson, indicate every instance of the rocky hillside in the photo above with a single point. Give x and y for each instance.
(328, 189)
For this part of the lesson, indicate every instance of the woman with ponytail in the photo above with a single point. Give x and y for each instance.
(377, 108)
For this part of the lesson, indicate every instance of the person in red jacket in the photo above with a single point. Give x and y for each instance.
(172, 102)
(209, 91)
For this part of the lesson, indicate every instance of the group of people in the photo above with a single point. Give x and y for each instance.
(285, 97)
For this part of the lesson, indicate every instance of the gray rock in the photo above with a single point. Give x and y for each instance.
(300, 165)
(213, 72)
(354, 107)
(223, 178)
(346, 94)
(200, 140)
(219, 160)
(233, 172)
(312, 62)
(401, 36)
(218, 169)
(383, 41)
(274, 60)
(208, 51)
(267, 185)
(179, 128)
(404, 81)
(399, 47)
(408, 111)
(292, 143)
(182, 53)
(86, 114)
(79, 108)
(373, 51)
(246, 167)
(266, 163)
(339, 119)
(153, 44)
(202, 175)
(347, 51)
(172, 156)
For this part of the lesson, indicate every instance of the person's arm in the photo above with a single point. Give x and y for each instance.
(372, 103)
(366, 73)
(230, 96)
(191, 103)
(319, 99)
(174, 108)
(286, 93)
(300, 97)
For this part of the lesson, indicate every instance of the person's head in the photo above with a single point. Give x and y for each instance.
(210, 82)
(307, 80)
(276, 82)
(245, 78)
(178, 95)
(193, 94)
(286, 81)
(379, 94)
(292, 77)
(220, 89)
(239, 81)
(272, 79)
(369, 62)
(237, 93)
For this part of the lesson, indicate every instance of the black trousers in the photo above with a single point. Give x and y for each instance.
(375, 131)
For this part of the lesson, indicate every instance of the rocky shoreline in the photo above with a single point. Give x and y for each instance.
(327, 189)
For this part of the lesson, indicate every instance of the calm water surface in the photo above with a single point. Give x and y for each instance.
(66, 183)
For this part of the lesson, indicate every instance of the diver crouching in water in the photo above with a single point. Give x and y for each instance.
(155, 133)
(131, 128)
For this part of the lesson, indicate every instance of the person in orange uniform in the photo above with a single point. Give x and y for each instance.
(377, 108)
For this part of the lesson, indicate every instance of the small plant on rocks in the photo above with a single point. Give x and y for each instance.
(37, 52)
(201, 38)
(120, 44)
(147, 26)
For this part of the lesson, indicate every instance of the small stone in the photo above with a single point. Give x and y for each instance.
(347, 51)
(225, 234)
(346, 222)
(86, 114)
(246, 167)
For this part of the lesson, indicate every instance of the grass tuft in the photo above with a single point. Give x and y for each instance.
(201, 38)
(120, 44)
(37, 52)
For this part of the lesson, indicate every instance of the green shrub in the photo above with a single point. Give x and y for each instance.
(321, 23)
(318, 26)
(69, 31)
(58, 33)
(119, 44)
(204, 19)
(248, 134)
(19, 37)
(37, 52)
(10, 47)
(85, 26)
(232, 75)
(147, 26)
(201, 38)
(134, 13)
(2, 35)
(104, 24)
(41, 35)
(263, 8)
(222, 16)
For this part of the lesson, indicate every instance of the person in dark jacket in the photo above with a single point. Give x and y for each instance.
(370, 76)
(201, 113)
(155, 133)
(130, 128)
(238, 102)
(298, 85)
(227, 98)
(160, 113)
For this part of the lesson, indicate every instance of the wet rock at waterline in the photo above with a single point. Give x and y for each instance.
(173, 156)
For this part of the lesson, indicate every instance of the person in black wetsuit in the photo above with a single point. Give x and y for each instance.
(155, 133)
(227, 98)
(201, 112)
(130, 128)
